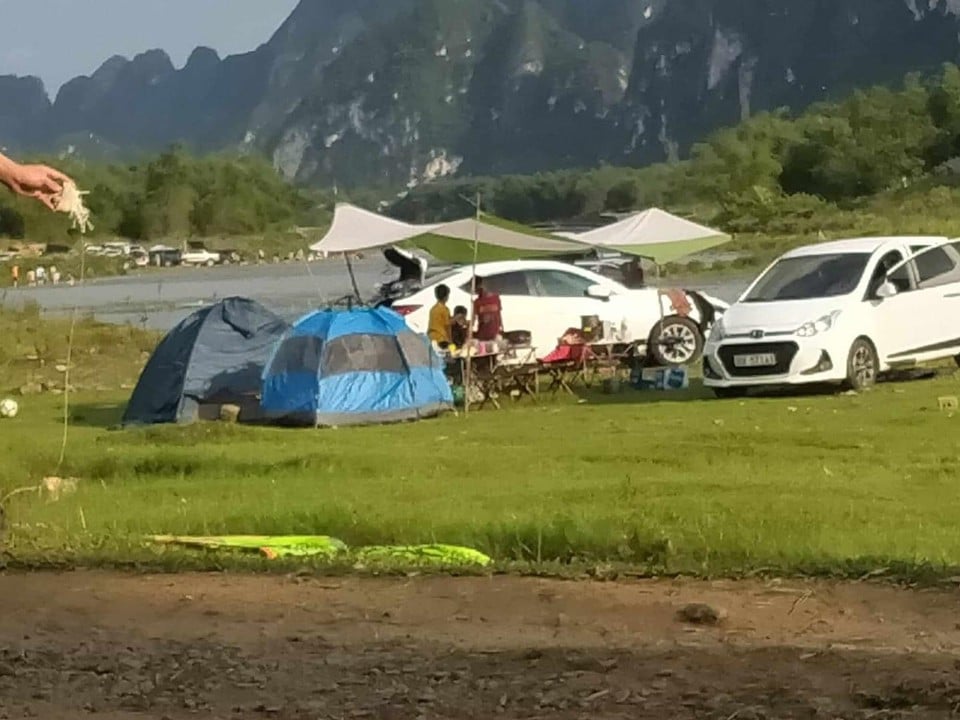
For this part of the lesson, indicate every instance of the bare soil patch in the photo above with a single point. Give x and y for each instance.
(96, 644)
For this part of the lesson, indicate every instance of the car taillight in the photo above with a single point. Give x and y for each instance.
(405, 309)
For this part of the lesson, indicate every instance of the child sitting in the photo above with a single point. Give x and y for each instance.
(460, 326)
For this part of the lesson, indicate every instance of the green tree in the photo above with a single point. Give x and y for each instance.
(622, 196)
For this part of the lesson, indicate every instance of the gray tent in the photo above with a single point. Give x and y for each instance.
(213, 357)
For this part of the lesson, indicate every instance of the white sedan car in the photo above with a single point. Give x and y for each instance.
(839, 312)
(546, 298)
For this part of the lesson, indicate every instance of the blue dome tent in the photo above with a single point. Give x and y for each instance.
(215, 356)
(353, 368)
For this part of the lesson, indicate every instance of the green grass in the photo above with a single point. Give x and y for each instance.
(663, 483)
(657, 482)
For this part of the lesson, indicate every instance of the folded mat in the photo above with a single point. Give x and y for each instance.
(275, 546)
(272, 546)
(437, 555)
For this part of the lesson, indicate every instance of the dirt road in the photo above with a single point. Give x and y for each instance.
(92, 644)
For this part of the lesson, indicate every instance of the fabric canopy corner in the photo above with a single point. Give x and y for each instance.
(654, 234)
(354, 229)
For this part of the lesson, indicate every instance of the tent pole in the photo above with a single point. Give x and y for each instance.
(473, 293)
(353, 278)
(659, 295)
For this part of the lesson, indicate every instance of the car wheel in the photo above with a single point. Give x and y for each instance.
(730, 393)
(676, 341)
(209, 263)
(863, 365)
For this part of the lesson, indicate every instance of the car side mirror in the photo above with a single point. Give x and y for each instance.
(599, 292)
(887, 290)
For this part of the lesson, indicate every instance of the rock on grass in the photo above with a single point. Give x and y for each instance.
(701, 614)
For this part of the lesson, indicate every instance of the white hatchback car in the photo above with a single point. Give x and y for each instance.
(546, 298)
(843, 311)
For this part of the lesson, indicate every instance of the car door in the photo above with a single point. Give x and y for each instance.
(563, 301)
(913, 325)
(886, 320)
(938, 284)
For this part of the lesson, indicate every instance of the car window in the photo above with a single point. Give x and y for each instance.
(511, 283)
(556, 283)
(935, 267)
(888, 261)
(901, 278)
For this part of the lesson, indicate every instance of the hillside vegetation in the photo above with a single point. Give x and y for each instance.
(172, 195)
(880, 162)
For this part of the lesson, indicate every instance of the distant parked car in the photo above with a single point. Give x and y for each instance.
(139, 257)
(164, 256)
(116, 249)
(839, 312)
(200, 256)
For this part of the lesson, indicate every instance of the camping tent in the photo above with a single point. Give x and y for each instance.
(353, 367)
(654, 234)
(214, 356)
(355, 229)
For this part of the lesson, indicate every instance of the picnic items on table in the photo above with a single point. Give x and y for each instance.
(505, 367)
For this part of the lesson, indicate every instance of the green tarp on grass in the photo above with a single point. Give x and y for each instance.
(326, 547)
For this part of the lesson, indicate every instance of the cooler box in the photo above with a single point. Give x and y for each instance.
(675, 378)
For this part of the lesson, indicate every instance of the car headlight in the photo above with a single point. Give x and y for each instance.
(818, 326)
(716, 332)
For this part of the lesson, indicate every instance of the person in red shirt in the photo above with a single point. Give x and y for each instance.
(489, 314)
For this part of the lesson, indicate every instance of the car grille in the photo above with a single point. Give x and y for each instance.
(783, 351)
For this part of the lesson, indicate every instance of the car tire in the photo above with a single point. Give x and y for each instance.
(210, 263)
(730, 393)
(686, 342)
(863, 365)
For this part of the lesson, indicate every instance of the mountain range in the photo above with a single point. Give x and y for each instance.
(401, 92)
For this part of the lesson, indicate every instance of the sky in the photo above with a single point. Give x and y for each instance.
(60, 39)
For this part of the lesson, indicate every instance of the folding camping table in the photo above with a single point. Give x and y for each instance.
(512, 372)
(607, 357)
(585, 363)
(519, 372)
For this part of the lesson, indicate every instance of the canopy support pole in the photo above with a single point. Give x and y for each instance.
(656, 266)
(353, 278)
(467, 376)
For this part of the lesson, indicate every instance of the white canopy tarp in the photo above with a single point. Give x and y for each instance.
(655, 234)
(354, 229)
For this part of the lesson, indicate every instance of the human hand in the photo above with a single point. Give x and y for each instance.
(37, 181)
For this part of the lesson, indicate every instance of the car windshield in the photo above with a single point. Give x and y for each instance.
(810, 276)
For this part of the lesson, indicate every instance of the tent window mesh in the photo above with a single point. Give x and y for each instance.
(298, 354)
(363, 353)
(415, 349)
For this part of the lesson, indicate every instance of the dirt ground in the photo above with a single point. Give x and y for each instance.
(120, 647)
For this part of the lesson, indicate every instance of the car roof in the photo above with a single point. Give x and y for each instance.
(504, 266)
(863, 245)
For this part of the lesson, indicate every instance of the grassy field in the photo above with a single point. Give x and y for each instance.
(672, 482)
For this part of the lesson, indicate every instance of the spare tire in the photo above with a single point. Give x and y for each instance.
(675, 341)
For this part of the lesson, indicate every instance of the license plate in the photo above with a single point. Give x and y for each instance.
(752, 361)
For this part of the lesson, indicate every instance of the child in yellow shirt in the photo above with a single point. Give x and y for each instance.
(439, 327)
